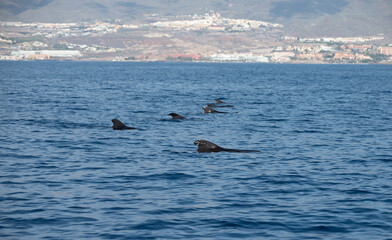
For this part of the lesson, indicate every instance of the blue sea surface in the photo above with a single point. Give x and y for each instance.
(324, 170)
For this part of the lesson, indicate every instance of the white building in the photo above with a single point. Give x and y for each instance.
(238, 58)
(51, 53)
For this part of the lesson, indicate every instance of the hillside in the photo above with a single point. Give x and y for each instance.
(307, 18)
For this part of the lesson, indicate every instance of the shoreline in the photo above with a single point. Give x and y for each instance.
(160, 61)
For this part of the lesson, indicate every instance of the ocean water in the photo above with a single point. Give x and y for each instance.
(324, 170)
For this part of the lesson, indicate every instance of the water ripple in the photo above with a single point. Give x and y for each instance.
(323, 170)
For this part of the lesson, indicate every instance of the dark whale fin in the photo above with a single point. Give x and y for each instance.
(206, 146)
(176, 116)
(219, 101)
(118, 125)
(210, 110)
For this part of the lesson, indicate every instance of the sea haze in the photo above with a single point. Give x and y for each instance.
(323, 170)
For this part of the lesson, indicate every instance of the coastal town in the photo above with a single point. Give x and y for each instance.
(204, 38)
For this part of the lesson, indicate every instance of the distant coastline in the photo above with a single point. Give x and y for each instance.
(203, 38)
(166, 61)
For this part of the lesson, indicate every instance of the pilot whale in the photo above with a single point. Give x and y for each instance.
(210, 110)
(206, 146)
(118, 125)
(176, 116)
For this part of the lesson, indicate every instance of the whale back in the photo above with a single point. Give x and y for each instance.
(118, 125)
(176, 116)
(206, 146)
(210, 110)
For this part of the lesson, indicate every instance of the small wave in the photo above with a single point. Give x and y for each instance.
(27, 211)
(13, 199)
(276, 120)
(125, 236)
(170, 176)
(18, 156)
(155, 224)
(263, 103)
(308, 131)
(46, 221)
(157, 177)
(383, 158)
(170, 211)
(357, 191)
(242, 223)
(324, 228)
(180, 152)
(59, 123)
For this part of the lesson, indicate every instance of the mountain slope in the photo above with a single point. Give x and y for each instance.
(300, 17)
